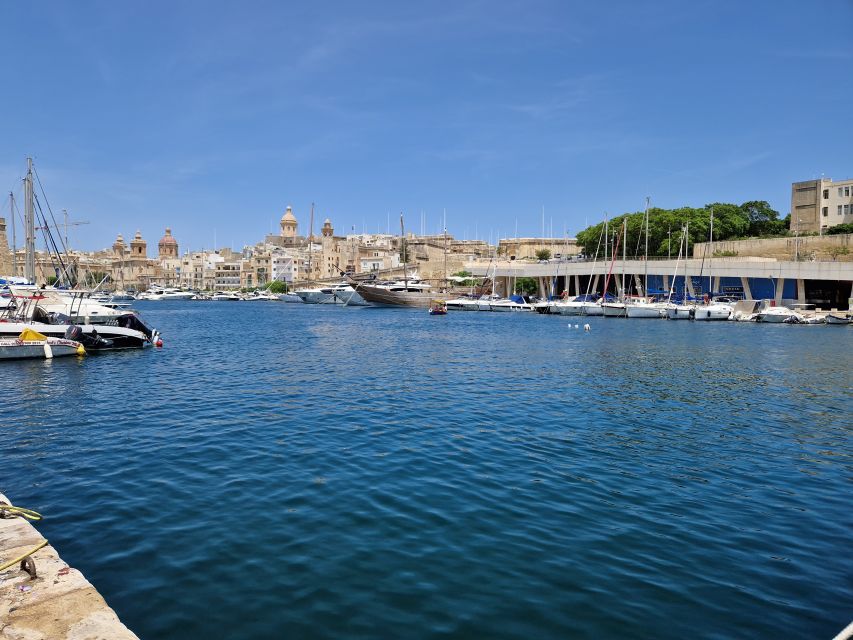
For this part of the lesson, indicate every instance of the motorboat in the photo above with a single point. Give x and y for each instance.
(514, 303)
(99, 331)
(289, 297)
(31, 344)
(346, 295)
(225, 296)
(778, 315)
(678, 311)
(316, 295)
(259, 295)
(168, 293)
(837, 318)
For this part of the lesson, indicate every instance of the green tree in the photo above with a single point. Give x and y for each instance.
(543, 254)
(839, 228)
(527, 286)
(277, 286)
(763, 220)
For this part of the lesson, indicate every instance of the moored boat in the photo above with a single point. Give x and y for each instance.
(31, 344)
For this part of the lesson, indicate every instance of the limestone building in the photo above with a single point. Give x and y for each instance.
(5, 254)
(817, 205)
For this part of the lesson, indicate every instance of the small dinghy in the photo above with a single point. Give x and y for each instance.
(438, 308)
(32, 344)
(837, 318)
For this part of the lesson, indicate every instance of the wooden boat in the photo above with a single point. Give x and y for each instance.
(32, 344)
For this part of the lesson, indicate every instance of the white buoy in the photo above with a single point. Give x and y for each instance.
(48, 352)
(576, 326)
(586, 327)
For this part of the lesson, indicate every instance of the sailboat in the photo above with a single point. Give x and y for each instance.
(712, 310)
(646, 307)
(616, 308)
(676, 311)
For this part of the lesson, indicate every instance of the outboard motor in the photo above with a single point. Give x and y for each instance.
(74, 333)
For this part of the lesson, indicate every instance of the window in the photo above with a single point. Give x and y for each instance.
(846, 209)
(825, 211)
(846, 192)
(839, 191)
(826, 194)
(839, 209)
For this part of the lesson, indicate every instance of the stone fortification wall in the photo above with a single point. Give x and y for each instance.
(823, 248)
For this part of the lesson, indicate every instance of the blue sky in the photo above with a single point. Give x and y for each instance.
(211, 117)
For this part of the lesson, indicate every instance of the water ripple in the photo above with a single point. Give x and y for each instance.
(317, 472)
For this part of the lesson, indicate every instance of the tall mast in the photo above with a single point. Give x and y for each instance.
(29, 225)
(403, 247)
(710, 285)
(624, 254)
(14, 237)
(310, 242)
(606, 239)
(646, 283)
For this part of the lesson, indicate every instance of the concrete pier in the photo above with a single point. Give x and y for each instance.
(58, 604)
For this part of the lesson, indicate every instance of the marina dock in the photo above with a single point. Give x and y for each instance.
(58, 602)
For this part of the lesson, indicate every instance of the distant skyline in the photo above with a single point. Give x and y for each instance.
(211, 117)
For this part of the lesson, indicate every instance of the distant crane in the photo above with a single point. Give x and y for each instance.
(71, 224)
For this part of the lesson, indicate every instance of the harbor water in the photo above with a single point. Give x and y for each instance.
(294, 471)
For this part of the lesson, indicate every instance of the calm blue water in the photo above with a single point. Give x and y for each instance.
(285, 471)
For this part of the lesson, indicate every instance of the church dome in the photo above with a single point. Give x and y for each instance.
(288, 215)
(168, 238)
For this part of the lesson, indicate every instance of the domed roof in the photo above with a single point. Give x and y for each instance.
(327, 222)
(138, 236)
(119, 239)
(168, 238)
(288, 215)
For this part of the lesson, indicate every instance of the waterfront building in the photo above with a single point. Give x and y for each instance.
(817, 205)
(526, 248)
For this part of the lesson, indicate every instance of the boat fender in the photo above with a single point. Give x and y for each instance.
(48, 352)
(81, 350)
(158, 342)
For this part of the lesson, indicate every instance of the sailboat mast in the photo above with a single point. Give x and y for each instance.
(14, 237)
(624, 254)
(710, 284)
(403, 247)
(311, 242)
(606, 240)
(646, 257)
(29, 225)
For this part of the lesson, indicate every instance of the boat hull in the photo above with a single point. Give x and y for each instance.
(613, 310)
(384, 297)
(35, 349)
(712, 312)
(837, 320)
(645, 311)
(95, 337)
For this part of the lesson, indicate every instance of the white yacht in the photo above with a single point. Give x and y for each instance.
(225, 296)
(778, 314)
(508, 304)
(645, 309)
